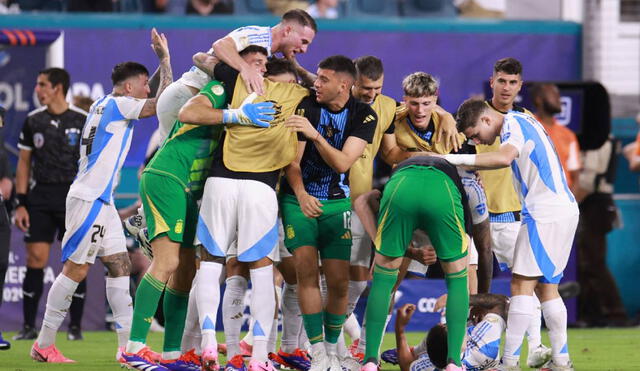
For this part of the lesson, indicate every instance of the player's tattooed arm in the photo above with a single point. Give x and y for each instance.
(117, 265)
(307, 78)
(205, 62)
(161, 48)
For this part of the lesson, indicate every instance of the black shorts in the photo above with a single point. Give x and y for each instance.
(46, 207)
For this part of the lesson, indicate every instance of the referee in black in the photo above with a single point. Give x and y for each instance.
(49, 152)
(6, 187)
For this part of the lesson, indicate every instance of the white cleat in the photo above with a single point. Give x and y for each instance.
(539, 356)
(319, 360)
(550, 366)
(334, 363)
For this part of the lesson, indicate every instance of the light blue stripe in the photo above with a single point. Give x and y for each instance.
(204, 236)
(111, 113)
(502, 218)
(263, 247)
(491, 349)
(72, 243)
(257, 329)
(538, 155)
(108, 191)
(540, 254)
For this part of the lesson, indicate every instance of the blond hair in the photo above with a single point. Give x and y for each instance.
(420, 84)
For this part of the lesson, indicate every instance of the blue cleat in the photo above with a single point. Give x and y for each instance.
(4, 344)
(298, 360)
(235, 364)
(390, 356)
(141, 361)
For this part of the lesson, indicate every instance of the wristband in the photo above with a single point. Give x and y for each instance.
(227, 116)
(21, 200)
(465, 160)
(316, 138)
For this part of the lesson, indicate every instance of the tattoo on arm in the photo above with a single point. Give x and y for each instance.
(117, 265)
(154, 82)
(166, 78)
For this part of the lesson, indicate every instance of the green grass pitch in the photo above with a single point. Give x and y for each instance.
(591, 349)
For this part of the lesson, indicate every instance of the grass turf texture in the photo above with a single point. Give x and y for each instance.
(590, 349)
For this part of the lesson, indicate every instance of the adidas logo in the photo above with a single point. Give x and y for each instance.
(368, 119)
(346, 235)
(149, 319)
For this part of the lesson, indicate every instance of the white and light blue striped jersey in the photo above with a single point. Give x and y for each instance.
(481, 348)
(537, 173)
(106, 138)
(242, 37)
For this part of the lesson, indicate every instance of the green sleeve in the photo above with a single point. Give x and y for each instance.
(214, 90)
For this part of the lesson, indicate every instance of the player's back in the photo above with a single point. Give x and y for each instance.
(537, 172)
(106, 138)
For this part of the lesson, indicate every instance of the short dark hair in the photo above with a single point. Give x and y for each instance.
(57, 76)
(279, 66)
(339, 63)
(510, 66)
(300, 17)
(254, 49)
(124, 70)
(468, 113)
(369, 67)
(437, 347)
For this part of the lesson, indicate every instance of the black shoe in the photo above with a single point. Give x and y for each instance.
(74, 333)
(4, 345)
(27, 333)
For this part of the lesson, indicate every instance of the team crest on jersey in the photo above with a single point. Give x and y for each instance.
(179, 226)
(217, 89)
(291, 234)
(481, 208)
(504, 137)
(73, 136)
(330, 131)
(38, 140)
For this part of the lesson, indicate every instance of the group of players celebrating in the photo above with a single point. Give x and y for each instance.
(257, 169)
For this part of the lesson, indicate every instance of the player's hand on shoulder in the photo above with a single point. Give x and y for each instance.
(301, 124)
(159, 44)
(311, 207)
(253, 80)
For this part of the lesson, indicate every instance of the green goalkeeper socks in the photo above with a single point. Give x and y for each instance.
(457, 313)
(377, 310)
(147, 297)
(175, 314)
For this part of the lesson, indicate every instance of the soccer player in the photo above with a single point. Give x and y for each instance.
(502, 199)
(550, 216)
(315, 203)
(443, 214)
(49, 152)
(170, 187)
(482, 345)
(93, 227)
(239, 210)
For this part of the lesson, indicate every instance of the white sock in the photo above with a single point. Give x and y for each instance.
(58, 303)
(331, 349)
(352, 327)
(324, 291)
(273, 337)
(248, 337)
(121, 306)
(555, 316)
(208, 299)
(191, 336)
(291, 318)
(232, 313)
(533, 331)
(263, 303)
(520, 309)
(362, 342)
(341, 346)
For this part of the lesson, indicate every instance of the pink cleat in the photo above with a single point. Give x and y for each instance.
(255, 365)
(370, 366)
(245, 349)
(50, 354)
(210, 359)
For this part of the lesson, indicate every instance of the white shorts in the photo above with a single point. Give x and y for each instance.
(93, 228)
(169, 104)
(360, 243)
(239, 210)
(282, 249)
(473, 253)
(477, 199)
(542, 249)
(503, 242)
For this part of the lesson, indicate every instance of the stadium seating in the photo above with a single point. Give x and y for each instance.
(242, 7)
(427, 8)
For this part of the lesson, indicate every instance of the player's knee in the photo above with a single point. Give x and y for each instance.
(338, 288)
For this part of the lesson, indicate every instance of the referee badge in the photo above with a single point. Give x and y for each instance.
(38, 140)
(73, 136)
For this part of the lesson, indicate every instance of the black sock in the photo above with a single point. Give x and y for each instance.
(77, 304)
(31, 292)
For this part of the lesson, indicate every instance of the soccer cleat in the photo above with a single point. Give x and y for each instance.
(255, 365)
(4, 344)
(505, 367)
(235, 364)
(26, 333)
(50, 354)
(319, 360)
(134, 224)
(550, 366)
(334, 363)
(145, 360)
(298, 360)
(453, 367)
(351, 364)
(390, 356)
(184, 363)
(539, 356)
(209, 359)
(245, 348)
(370, 366)
(353, 348)
(74, 333)
(145, 244)
(192, 357)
